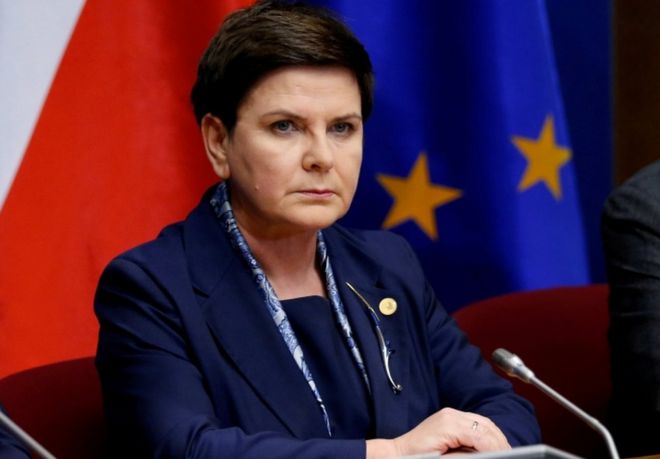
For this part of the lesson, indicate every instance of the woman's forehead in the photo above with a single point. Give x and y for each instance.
(305, 89)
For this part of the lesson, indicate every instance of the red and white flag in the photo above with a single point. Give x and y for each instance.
(98, 150)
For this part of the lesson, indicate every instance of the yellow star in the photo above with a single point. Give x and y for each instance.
(415, 197)
(544, 159)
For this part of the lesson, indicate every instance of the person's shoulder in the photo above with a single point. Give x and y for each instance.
(169, 238)
(639, 196)
(149, 258)
(645, 182)
(383, 246)
(170, 241)
(646, 179)
(368, 239)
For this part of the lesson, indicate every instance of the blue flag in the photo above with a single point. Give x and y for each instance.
(467, 153)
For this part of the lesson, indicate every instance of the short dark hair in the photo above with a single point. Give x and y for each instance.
(267, 36)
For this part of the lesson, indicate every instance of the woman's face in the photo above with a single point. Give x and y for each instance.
(294, 157)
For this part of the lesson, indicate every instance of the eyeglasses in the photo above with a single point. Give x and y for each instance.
(385, 350)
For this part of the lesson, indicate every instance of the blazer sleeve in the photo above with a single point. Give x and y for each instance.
(469, 383)
(10, 446)
(155, 399)
(631, 239)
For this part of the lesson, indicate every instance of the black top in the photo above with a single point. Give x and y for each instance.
(335, 372)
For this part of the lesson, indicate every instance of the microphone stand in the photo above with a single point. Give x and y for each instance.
(570, 406)
(512, 365)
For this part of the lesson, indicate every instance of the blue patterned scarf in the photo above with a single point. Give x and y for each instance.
(223, 210)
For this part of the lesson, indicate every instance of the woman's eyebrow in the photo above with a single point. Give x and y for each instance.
(293, 115)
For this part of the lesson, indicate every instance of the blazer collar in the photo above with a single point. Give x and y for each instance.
(208, 253)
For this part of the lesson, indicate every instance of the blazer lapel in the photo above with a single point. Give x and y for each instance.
(351, 266)
(242, 326)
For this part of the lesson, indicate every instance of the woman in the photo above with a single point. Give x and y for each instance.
(260, 328)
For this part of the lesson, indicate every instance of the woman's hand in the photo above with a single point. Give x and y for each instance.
(442, 432)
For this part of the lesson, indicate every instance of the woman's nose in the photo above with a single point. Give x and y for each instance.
(319, 155)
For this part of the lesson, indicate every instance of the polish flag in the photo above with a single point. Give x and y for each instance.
(98, 151)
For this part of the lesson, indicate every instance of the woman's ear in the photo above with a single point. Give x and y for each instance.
(216, 139)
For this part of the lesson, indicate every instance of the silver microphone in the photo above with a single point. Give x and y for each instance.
(513, 365)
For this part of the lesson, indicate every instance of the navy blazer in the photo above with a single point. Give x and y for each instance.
(192, 365)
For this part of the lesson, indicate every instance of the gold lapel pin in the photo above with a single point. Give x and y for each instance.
(385, 350)
(387, 306)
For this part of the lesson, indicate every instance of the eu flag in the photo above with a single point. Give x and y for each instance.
(467, 153)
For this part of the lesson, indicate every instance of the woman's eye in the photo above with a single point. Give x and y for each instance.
(283, 126)
(343, 128)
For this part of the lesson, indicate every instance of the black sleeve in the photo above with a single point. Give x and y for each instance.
(631, 238)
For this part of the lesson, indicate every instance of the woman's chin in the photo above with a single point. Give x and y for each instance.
(317, 219)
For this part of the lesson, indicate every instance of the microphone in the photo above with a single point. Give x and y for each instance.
(512, 365)
(24, 436)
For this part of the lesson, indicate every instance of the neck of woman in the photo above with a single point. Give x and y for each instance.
(289, 263)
